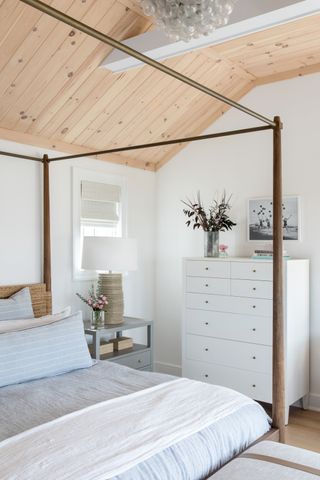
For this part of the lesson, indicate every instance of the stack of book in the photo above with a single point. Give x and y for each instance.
(267, 254)
(122, 343)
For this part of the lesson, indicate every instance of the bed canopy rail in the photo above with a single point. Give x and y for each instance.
(278, 391)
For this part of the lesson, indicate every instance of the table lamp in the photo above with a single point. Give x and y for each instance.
(110, 254)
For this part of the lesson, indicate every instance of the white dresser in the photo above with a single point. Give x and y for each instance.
(227, 325)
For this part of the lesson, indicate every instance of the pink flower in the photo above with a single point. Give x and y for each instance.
(223, 248)
(89, 301)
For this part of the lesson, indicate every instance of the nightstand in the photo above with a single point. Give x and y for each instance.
(138, 357)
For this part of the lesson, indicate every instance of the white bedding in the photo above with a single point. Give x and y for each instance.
(107, 439)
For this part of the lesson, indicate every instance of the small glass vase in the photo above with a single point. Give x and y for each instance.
(211, 244)
(97, 319)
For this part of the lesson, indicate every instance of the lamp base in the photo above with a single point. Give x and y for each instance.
(110, 285)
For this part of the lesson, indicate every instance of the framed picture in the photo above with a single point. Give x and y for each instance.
(260, 219)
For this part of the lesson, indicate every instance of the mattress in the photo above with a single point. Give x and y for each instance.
(30, 404)
(270, 460)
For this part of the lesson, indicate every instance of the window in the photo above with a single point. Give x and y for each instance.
(98, 211)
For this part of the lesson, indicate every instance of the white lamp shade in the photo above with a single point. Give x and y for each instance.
(109, 253)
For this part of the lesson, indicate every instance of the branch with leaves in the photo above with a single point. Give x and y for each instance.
(216, 219)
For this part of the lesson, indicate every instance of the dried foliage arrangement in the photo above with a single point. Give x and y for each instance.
(215, 219)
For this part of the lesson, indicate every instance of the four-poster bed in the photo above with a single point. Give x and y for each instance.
(278, 411)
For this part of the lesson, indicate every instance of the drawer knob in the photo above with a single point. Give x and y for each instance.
(206, 375)
(207, 285)
(207, 301)
(207, 268)
(254, 386)
(253, 358)
(139, 361)
(206, 349)
(207, 323)
(253, 329)
(254, 270)
(254, 289)
(253, 306)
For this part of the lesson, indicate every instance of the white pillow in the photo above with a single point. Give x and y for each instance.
(44, 351)
(19, 305)
(26, 323)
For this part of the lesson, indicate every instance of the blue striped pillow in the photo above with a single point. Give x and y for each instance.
(43, 351)
(19, 305)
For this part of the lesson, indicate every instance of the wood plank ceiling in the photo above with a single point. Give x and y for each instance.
(53, 94)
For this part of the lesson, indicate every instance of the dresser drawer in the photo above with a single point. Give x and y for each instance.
(207, 268)
(224, 303)
(251, 288)
(231, 326)
(247, 356)
(255, 385)
(136, 360)
(219, 286)
(252, 270)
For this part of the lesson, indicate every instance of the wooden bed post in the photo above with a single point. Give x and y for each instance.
(46, 225)
(278, 360)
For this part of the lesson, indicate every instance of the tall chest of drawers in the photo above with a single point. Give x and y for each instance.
(227, 325)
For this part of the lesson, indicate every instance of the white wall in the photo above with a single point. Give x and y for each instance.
(21, 227)
(243, 166)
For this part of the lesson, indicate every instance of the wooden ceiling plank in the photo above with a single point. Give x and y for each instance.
(36, 75)
(240, 71)
(150, 92)
(164, 110)
(136, 7)
(298, 72)
(89, 98)
(174, 107)
(76, 64)
(73, 89)
(204, 119)
(281, 50)
(38, 30)
(233, 48)
(12, 33)
(203, 116)
(115, 97)
(122, 86)
(41, 142)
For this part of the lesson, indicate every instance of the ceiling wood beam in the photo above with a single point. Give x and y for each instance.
(298, 72)
(49, 144)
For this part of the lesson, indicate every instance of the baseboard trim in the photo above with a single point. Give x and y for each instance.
(169, 368)
(314, 402)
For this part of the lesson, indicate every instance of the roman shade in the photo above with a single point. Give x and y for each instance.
(100, 202)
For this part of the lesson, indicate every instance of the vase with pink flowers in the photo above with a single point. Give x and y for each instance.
(96, 302)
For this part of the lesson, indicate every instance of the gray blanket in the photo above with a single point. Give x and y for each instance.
(30, 404)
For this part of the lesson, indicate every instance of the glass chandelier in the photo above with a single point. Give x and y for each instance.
(188, 19)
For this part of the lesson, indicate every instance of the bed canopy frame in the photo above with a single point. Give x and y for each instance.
(278, 373)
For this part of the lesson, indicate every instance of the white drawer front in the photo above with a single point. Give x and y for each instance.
(255, 385)
(136, 360)
(224, 303)
(231, 326)
(207, 268)
(251, 288)
(248, 356)
(218, 286)
(252, 270)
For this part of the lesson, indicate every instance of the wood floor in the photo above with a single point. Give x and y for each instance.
(304, 429)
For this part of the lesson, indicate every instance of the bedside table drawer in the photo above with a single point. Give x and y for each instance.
(136, 360)
(205, 268)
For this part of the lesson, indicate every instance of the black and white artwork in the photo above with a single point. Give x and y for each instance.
(260, 219)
